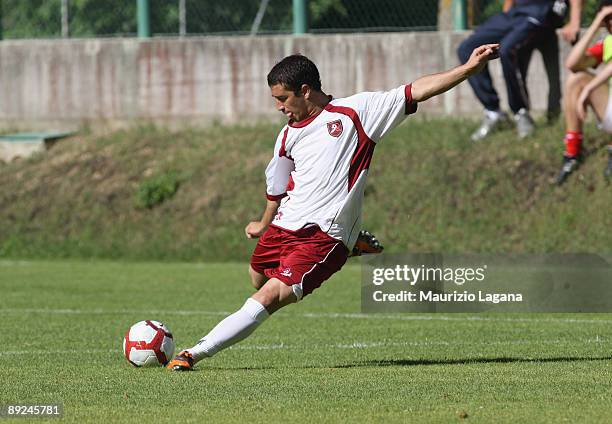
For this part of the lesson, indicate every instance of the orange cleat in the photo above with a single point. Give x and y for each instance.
(366, 244)
(181, 362)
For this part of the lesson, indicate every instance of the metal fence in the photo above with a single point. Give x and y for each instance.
(96, 18)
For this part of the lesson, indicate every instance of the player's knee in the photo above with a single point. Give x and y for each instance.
(274, 295)
(573, 86)
(577, 79)
(257, 279)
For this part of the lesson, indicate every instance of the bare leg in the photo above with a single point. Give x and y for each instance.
(598, 99)
(274, 295)
(257, 279)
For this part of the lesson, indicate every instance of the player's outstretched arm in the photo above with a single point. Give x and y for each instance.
(255, 229)
(432, 85)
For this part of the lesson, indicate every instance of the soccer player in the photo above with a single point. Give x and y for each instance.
(583, 88)
(315, 185)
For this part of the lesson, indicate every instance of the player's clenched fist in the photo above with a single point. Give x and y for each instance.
(255, 229)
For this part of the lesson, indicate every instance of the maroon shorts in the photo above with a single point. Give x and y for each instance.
(302, 259)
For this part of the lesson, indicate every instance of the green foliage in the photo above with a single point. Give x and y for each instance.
(30, 19)
(90, 18)
(318, 9)
(589, 10)
(157, 189)
(490, 8)
(331, 15)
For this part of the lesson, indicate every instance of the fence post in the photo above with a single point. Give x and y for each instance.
(459, 15)
(300, 17)
(182, 18)
(65, 19)
(144, 25)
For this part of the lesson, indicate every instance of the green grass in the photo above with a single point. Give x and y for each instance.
(149, 193)
(318, 361)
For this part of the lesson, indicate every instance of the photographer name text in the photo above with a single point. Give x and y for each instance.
(455, 296)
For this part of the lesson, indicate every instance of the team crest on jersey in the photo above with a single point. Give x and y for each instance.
(334, 128)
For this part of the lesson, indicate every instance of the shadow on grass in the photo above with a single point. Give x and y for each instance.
(502, 360)
(420, 362)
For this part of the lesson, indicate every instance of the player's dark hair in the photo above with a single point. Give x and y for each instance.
(603, 3)
(293, 71)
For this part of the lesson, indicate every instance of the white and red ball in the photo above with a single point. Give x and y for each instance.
(148, 343)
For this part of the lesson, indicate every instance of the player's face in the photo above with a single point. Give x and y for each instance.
(293, 106)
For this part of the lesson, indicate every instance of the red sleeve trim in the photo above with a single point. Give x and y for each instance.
(596, 51)
(411, 105)
(274, 198)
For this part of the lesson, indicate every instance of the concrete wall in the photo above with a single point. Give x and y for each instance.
(63, 83)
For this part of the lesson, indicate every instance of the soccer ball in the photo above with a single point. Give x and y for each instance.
(148, 343)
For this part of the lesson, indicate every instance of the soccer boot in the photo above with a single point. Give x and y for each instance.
(181, 362)
(366, 243)
(524, 123)
(569, 165)
(491, 122)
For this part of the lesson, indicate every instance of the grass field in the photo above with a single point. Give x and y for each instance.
(319, 361)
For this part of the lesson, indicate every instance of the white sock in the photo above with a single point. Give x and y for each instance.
(231, 330)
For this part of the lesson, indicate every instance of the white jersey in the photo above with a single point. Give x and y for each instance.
(320, 164)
